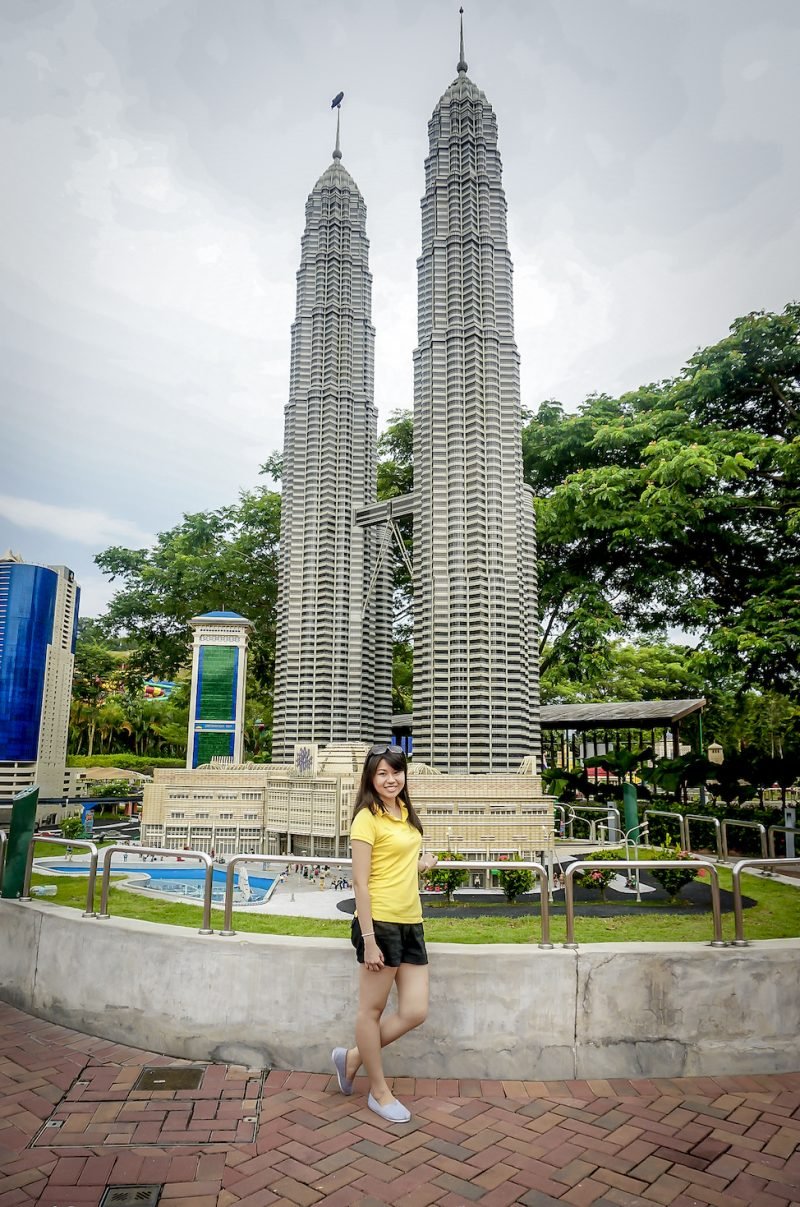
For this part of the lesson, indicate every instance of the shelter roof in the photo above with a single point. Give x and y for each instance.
(620, 714)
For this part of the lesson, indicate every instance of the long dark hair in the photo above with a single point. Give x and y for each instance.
(367, 798)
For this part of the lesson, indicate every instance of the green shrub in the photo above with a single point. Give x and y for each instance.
(71, 827)
(672, 880)
(114, 788)
(126, 762)
(515, 881)
(446, 879)
(599, 878)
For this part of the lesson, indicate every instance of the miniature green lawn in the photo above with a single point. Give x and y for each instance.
(776, 916)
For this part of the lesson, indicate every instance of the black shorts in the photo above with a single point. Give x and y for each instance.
(400, 942)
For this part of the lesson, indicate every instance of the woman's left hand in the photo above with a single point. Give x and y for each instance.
(428, 862)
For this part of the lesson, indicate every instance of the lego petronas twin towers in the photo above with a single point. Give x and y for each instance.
(475, 642)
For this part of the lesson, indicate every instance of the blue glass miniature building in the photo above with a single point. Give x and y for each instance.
(38, 629)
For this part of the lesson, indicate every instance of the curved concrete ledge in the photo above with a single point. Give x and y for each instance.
(499, 1011)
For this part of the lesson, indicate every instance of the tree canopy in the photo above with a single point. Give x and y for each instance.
(678, 505)
(223, 559)
(672, 509)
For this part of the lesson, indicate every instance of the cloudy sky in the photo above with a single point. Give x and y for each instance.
(156, 159)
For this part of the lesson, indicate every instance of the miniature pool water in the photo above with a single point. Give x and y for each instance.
(186, 883)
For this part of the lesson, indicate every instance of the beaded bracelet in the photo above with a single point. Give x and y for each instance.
(369, 935)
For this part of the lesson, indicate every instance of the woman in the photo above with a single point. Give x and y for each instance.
(386, 839)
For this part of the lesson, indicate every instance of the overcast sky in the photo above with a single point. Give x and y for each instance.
(157, 155)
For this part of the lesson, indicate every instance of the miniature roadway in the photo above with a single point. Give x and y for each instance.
(75, 1131)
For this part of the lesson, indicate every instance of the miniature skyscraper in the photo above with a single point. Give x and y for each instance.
(219, 677)
(333, 645)
(38, 629)
(475, 640)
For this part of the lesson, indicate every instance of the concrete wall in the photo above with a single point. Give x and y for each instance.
(503, 1011)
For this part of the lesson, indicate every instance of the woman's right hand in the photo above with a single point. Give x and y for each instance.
(373, 956)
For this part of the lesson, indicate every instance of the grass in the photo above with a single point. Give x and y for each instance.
(776, 916)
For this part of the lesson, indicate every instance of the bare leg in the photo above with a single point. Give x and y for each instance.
(412, 1010)
(374, 988)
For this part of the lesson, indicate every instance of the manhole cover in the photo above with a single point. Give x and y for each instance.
(169, 1078)
(122, 1196)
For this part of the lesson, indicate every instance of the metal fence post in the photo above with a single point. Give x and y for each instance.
(624, 864)
(687, 817)
(82, 844)
(744, 825)
(202, 856)
(736, 875)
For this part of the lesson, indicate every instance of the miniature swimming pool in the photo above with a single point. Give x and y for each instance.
(177, 882)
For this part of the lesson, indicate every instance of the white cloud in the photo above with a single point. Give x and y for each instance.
(85, 525)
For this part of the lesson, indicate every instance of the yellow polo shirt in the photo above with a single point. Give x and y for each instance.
(393, 882)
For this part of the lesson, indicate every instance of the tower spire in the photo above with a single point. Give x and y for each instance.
(337, 150)
(462, 62)
(336, 104)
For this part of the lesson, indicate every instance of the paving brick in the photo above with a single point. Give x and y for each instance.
(574, 1172)
(535, 1198)
(423, 1196)
(584, 1193)
(295, 1192)
(620, 1180)
(649, 1141)
(665, 1189)
(769, 1173)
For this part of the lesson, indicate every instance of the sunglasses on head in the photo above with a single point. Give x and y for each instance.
(382, 748)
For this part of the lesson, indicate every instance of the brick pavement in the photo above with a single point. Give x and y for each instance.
(72, 1124)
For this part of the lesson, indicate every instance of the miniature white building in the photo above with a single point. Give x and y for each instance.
(219, 680)
(333, 653)
(476, 691)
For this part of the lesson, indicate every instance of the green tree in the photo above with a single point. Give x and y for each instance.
(212, 560)
(396, 477)
(402, 676)
(679, 504)
(596, 877)
(672, 880)
(71, 827)
(515, 881)
(447, 879)
(646, 669)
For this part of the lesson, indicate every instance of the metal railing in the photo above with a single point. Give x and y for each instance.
(83, 845)
(736, 878)
(456, 865)
(202, 856)
(673, 816)
(711, 821)
(461, 865)
(3, 849)
(312, 861)
(746, 825)
(625, 864)
(773, 830)
(576, 810)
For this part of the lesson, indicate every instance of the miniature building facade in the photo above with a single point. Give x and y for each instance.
(305, 808)
(219, 678)
(333, 645)
(475, 636)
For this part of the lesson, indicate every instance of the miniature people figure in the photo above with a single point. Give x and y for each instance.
(387, 932)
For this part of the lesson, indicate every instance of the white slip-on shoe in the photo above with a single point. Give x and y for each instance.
(339, 1058)
(393, 1112)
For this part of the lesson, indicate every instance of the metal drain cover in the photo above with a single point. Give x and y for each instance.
(173, 1077)
(124, 1196)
